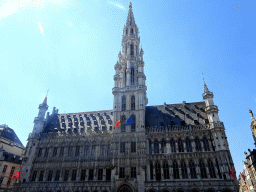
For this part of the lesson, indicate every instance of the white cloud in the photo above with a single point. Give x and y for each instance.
(117, 4)
(10, 7)
(41, 28)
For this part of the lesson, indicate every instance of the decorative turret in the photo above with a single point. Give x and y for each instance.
(253, 126)
(211, 109)
(39, 120)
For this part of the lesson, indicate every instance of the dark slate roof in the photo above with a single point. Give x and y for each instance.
(8, 133)
(64, 121)
(176, 114)
(12, 157)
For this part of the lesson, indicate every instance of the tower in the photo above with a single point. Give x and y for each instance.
(253, 126)
(217, 127)
(130, 100)
(39, 120)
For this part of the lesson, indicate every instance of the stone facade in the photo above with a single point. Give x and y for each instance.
(247, 179)
(178, 147)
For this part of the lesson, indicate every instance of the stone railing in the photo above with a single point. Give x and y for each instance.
(175, 128)
(210, 107)
(217, 124)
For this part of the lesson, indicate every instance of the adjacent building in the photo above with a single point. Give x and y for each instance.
(162, 148)
(11, 150)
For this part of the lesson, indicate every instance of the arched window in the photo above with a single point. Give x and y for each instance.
(132, 80)
(192, 169)
(184, 170)
(132, 103)
(149, 146)
(126, 31)
(188, 145)
(156, 147)
(133, 126)
(158, 171)
(180, 145)
(211, 169)
(198, 144)
(132, 50)
(125, 49)
(166, 170)
(151, 170)
(123, 124)
(217, 164)
(175, 170)
(163, 146)
(206, 144)
(123, 103)
(202, 169)
(173, 146)
(131, 30)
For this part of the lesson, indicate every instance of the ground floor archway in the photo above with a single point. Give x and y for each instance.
(125, 188)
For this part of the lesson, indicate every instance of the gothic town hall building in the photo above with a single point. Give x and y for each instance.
(169, 148)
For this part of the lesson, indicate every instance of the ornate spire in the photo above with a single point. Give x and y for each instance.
(206, 90)
(252, 118)
(130, 18)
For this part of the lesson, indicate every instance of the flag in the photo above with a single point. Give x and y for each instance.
(118, 123)
(232, 173)
(17, 174)
(129, 121)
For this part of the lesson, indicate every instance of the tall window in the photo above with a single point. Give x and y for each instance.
(133, 172)
(198, 144)
(90, 174)
(149, 146)
(133, 126)
(70, 151)
(184, 170)
(132, 50)
(54, 152)
(41, 176)
(46, 152)
(122, 147)
(156, 146)
(192, 169)
(1, 180)
(188, 145)
(57, 176)
(166, 170)
(77, 150)
(133, 147)
(121, 172)
(131, 30)
(126, 32)
(100, 174)
(175, 170)
(217, 164)
(73, 178)
(108, 150)
(202, 169)
(93, 151)
(86, 150)
(102, 150)
(50, 175)
(173, 146)
(211, 169)
(132, 80)
(61, 151)
(34, 176)
(163, 146)
(83, 172)
(180, 145)
(158, 171)
(151, 170)
(123, 103)
(108, 174)
(66, 175)
(206, 144)
(39, 152)
(4, 169)
(123, 124)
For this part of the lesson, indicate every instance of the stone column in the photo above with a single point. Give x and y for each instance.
(128, 76)
(104, 174)
(184, 145)
(168, 147)
(78, 173)
(148, 172)
(193, 145)
(154, 172)
(170, 169)
(198, 171)
(86, 174)
(177, 148)
(162, 171)
(95, 174)
(215, 168)
(207, 168)
(179, 168)
(202, 144)
(188, 170)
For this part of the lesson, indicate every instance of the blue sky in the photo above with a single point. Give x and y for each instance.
(70, 47)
